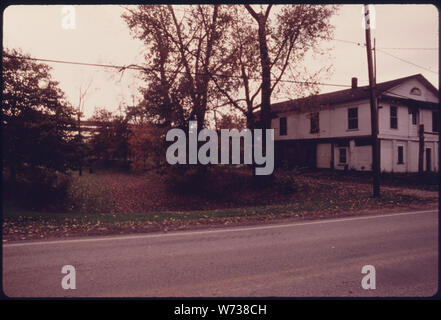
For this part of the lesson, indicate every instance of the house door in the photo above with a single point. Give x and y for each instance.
(428, 159)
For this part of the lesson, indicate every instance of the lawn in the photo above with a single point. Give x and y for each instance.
(112, 202)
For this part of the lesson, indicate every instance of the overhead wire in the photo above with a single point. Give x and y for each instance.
(140, 68)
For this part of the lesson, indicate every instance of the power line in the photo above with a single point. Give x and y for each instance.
(406, 61)
(350, 42)
(72, 62)
(382, 50)
(385, 48)
(379, 48)
(140, 68)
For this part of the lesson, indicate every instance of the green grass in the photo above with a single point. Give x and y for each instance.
(316, 197)
(89, 194)
(427, 181)
(327, 201)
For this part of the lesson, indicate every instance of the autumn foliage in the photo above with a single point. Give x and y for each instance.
(146, 146)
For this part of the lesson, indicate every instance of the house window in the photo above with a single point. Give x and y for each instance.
(415, 91)
(435, 121)
(283, 126)
(342, 155)
(314, 117)
(352, 118)
(393, 117)
(400, 155)
(414, 117)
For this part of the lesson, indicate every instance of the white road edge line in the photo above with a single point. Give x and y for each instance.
(234, 229)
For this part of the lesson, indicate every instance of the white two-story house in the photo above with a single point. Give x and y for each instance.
(333, 130)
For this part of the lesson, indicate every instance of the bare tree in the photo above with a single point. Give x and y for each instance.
(81, 100)
(284, 40)
(182, 49)
(240, 67)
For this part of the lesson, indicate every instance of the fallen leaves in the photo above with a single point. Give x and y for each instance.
(133, 194)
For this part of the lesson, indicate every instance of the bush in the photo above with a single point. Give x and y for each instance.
(215, 182)
(227, 182)
(285, 184)
(38, 188)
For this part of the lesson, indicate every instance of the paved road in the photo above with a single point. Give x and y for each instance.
(317, 258)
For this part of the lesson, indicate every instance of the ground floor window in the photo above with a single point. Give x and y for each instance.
(283, 127)
(400, 154)
(428, 159)
(342, 155)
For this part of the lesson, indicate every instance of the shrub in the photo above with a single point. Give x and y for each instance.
(38, 188)
(227, 183)
(285, 184)
(215, 182)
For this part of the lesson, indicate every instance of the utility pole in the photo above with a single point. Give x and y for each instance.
(420, 148)
(80, 140)
(374, 109)
(375, 61)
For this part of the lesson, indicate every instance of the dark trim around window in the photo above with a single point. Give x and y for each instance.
(342, 158)
(315, 122)
(400, 154)
(393, 117)
(352, 118)
(435, 121)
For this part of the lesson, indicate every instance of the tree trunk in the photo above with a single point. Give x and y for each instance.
(265, 107)
(266, 76)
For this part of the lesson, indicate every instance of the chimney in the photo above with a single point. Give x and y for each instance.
(354, 82)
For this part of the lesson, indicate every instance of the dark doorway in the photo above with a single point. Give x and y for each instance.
(428, 159)
(296, 153)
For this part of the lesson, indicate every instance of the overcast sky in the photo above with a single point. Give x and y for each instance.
(101, 36)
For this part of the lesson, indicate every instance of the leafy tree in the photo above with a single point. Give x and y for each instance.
(146, 146)
(101, 140)
(37, 120)
(110, 141)
(230, 121)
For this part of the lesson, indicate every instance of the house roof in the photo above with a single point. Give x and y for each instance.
(346, 95)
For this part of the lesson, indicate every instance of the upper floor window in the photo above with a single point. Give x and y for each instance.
(414, 116)
(314, 118)
(283, 126)
(435, 121)
(353, 118)
(393, 117)
(415, 91)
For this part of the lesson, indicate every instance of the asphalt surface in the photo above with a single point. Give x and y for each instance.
(318, 258)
